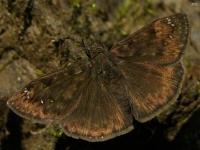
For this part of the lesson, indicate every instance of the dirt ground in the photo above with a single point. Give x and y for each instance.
(33, 42)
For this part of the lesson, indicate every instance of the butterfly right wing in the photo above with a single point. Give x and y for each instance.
(51, 97)
(150, 63)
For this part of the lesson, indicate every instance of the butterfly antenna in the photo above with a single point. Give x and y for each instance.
(86, 49)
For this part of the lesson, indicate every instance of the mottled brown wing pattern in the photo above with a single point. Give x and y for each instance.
(51, 97)
(161, 42)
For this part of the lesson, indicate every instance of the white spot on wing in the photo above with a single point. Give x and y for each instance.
(27, 93)
(41, 101)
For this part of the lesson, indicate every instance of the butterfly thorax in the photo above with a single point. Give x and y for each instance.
(93, 49)
(102, 68)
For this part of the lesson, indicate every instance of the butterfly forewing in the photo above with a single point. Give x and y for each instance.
(161, 42)
(51, 97)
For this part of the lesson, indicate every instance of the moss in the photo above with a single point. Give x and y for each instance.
(39, 72)
(55, 131)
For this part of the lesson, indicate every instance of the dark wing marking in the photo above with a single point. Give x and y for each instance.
(51, 97)
(161, 42)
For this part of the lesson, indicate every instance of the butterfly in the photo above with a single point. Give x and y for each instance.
(97, 99)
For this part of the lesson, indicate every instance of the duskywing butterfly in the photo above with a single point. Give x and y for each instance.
(96, 100)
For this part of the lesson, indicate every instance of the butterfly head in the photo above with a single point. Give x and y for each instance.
(93, 49)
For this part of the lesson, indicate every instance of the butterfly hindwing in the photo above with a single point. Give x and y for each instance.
(152, 87)
(103, 111)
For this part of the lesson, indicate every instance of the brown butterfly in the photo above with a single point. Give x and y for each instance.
(96, 100)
